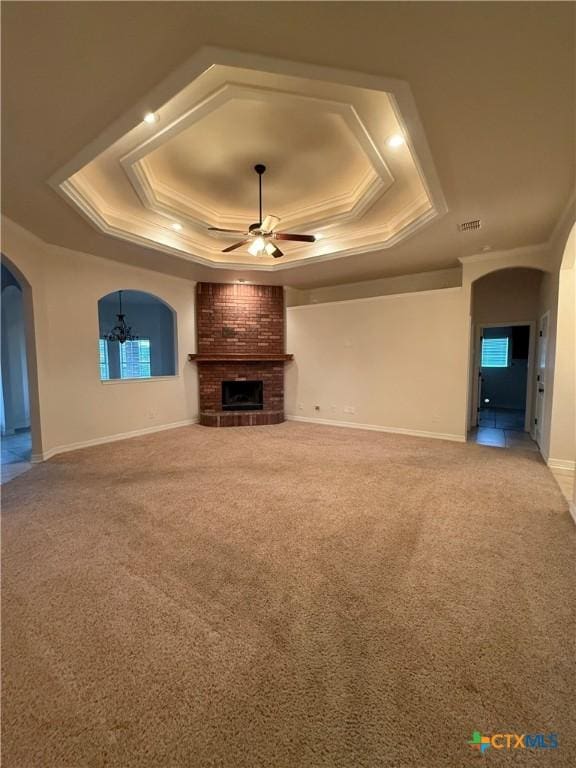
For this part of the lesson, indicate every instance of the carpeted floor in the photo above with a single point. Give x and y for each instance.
(287, 597)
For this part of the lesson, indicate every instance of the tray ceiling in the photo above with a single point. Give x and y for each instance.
(324, 136)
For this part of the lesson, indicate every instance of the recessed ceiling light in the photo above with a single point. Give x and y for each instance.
(176, 226)
(395, 141)
(151, 118)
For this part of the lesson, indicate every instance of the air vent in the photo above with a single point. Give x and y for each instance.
(467, 226)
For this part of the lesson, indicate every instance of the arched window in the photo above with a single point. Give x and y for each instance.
(137, 336)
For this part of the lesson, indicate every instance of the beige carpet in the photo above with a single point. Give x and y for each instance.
(288, 596)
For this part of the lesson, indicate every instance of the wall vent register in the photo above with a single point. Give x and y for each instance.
(468, 226)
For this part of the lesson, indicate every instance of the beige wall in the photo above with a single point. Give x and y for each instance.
(385, 286)
(74, 405)
(563, 407)
(506, 296)
(398, 361)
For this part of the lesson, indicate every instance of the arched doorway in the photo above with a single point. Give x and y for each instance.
(14, 382)
(508, 346)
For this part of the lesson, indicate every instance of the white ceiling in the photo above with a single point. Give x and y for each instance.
(493, 84)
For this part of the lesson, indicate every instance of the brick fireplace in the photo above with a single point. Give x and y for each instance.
(240, 339)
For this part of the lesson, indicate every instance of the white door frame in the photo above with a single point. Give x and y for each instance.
(536, 433)
(530, 373)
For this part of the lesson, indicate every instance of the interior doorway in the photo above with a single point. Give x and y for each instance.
(14, 388)
(504, 375)
(504, 308)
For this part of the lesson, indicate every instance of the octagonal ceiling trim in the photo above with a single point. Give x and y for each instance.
(161, 199)
(416, 216)
(334, 209)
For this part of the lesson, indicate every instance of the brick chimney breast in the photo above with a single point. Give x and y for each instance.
(240, 331)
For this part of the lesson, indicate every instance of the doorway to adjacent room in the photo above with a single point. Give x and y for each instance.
(14, 390)
(504, 363)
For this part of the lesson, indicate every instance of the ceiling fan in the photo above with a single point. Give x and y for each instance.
(261, 234)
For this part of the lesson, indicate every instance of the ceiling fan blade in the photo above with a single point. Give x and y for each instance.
(277, 252)
(236, 245)
(269, 223)
(298, 238)
(233, 231)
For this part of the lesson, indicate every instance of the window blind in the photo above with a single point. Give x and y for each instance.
(135, 359)
(104, 364)
(494, 353)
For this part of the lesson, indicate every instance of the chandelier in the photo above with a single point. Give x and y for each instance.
(122, 331)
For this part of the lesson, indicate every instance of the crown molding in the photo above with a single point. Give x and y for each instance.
(75, 195)
(526, 253)
(335, 210)
(160, 198)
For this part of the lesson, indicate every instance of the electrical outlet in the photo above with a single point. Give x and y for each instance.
(349, 409)
(333, 408)
(300, 406)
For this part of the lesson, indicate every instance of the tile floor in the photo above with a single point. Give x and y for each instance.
(502, 438)
(502, 428)
(501, 418)
(16, 450)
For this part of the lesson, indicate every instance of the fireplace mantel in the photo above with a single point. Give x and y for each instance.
(231, 357)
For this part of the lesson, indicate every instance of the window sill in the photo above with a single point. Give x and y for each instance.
(140, 380)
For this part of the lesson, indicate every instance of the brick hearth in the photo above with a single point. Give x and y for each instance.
(240, 337)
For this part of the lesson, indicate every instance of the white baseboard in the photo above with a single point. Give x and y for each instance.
(561, 464)
(378, 428)
(37, 458)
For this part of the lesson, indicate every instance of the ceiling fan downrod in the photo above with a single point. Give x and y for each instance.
(260, 169)
(260, 237)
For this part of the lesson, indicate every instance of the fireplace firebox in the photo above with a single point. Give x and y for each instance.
(242, 395)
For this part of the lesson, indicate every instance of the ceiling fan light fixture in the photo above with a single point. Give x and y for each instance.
(260, 234)
(257, 246)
